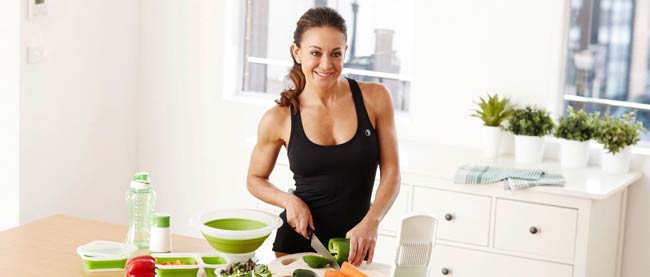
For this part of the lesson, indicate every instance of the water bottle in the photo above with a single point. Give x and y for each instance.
(140, 200)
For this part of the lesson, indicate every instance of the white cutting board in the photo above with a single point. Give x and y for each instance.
(284, 266)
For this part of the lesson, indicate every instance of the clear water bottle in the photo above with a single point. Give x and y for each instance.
(140, 200)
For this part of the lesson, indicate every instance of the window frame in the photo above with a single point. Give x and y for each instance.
(234, 59)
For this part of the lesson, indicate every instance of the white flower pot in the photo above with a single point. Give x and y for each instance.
(574, 154)
(529, 149)
(616, 163)
(491, 141)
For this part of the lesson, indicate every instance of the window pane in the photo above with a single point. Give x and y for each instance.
(599, 56)
(375, 45)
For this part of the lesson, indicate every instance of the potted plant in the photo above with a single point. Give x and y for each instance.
(575, 130)
(616, 136)
(493, 112)
(530, 125)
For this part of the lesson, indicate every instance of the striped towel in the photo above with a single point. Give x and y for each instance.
(514, 178)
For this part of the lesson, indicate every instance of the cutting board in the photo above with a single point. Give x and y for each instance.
(284, 266)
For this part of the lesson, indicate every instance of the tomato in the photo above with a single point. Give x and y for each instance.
(140, 266)
(141, 275)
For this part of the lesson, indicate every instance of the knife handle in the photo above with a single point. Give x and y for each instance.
(310, 232)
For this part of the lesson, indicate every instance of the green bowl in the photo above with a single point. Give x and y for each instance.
(235, 246)
(237, 231)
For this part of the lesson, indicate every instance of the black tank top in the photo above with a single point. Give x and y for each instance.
(335, 181)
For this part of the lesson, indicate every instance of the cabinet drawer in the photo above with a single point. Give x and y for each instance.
(469, 214)
(535, 228)
(471, 263)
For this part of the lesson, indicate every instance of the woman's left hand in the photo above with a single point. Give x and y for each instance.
(363, 239)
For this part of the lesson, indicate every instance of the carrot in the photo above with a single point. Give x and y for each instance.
(334, 273)
(351, 271)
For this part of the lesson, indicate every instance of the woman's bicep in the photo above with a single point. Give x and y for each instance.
(266, 149)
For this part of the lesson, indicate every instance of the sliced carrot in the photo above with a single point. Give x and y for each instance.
(351, 271)
(334, 273)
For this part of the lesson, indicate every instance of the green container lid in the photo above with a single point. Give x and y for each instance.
(142, 177)
(161, 220)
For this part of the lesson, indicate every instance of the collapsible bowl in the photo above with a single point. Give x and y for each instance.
(236, 233)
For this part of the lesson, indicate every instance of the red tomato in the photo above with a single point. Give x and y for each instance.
(141, 275)
(140, 266)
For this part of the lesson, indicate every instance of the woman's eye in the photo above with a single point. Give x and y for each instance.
(315, 53)
(336, 55)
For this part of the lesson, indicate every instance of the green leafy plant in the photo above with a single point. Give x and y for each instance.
(616, 134)
(531, 121)
(493, 111)
(578, 126)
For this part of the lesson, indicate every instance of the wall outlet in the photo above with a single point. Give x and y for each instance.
(35, 54)
(36, 8)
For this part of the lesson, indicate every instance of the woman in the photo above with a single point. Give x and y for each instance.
(336, 132)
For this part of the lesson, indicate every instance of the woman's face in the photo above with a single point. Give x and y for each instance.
(321, 56)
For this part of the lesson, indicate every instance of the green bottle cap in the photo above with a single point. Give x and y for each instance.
(161, 220)
(142, 177)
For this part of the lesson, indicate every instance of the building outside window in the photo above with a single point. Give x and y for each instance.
(380, 38)
(608, 58)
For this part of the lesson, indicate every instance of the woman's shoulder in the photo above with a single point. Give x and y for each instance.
(276, 116)
(375, 95)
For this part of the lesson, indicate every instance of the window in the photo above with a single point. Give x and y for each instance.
(608, 58)
(379, 39)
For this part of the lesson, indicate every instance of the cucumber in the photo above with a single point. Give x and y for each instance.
(339, 248)
(304, 273)
(314, 261)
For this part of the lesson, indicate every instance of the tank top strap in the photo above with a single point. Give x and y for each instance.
(362, 114)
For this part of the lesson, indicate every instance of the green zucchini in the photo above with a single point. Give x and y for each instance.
(339, 248)
(304, 273)
(314, 261)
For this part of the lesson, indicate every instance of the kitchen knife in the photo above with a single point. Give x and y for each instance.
(321, 249)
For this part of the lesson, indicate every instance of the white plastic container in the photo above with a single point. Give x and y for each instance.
(618, 163)
(161, 239)
(102, 255)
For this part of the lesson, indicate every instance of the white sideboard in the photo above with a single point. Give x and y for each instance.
(485, 230)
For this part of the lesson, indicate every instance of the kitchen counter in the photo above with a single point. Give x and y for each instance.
(47, 247)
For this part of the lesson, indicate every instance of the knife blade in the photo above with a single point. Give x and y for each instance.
(321, 249)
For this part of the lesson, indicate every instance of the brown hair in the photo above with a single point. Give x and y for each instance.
(314, 17)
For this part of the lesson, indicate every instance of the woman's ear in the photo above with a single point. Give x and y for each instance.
(295, 51)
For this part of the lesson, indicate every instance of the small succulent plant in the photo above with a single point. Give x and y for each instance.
(493, 111)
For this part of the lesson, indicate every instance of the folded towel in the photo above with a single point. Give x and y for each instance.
(514, 178)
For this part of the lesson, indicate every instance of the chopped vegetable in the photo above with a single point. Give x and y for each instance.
(334, 273)
(247, 269)
(175, 262)
(314, 261)
(304, 273)
(351, 270)
(339, 248)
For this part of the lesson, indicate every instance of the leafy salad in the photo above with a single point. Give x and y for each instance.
(247, 269)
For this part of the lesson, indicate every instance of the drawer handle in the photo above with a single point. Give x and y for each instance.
(445, 271)
(533, 230)
(449, 217)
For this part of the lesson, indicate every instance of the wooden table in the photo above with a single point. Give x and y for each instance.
(47, 247)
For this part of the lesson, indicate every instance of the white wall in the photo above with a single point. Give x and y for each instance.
(77, 110)
(9, 95)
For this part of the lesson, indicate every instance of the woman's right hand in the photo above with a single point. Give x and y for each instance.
(299, 216)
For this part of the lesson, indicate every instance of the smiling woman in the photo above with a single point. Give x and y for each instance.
(337, 131)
